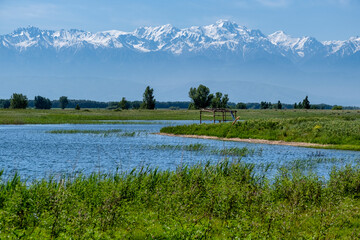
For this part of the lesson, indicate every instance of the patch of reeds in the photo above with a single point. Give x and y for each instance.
(104, 133)
(189, 147)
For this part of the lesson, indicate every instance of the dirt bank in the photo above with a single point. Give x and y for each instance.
(250, 140)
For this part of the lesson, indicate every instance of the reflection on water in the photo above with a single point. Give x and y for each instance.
(38, 151)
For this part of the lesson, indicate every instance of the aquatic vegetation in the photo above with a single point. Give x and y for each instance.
(104, 133)
(222, 201)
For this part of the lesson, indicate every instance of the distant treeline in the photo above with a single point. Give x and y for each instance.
(5, 103)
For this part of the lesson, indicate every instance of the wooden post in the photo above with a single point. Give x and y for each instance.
(224, 116)
(214, 116)
(200, 116)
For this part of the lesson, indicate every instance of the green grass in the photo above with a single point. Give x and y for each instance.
(93, 116)
(339, 133)
(222, 201)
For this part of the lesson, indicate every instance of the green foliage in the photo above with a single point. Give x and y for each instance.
(148, 99)
(42, 103)
(63, 102)
(123, 104)
(200, 97)
(77, 107)
(18, 101)
(227, 200)
(219, 101)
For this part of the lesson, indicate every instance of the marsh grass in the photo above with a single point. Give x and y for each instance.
(226, 200)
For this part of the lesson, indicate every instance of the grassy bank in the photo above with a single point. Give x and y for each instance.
(84, 116)
(223, 201)
(339, 133)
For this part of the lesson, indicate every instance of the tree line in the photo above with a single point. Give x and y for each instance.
(200, 97)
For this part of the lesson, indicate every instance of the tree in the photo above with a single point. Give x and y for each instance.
(18, 101)
(123, 104)
(200, 97)
(279, 105)
(241, 105)
(336, 107)
(63, 102)
(219, 101)
(306, 103)
(77, 107)
(42, 103)
(148, 99)
(265, 105)
(136, 105)
(4, 103)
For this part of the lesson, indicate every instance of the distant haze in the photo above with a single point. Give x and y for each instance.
(247, 64)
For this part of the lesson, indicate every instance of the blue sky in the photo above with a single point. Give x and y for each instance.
(323, 19)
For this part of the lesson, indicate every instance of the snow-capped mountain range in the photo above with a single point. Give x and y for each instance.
(227, 57)
(223, 36)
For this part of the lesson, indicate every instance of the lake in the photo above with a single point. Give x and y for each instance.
(35, 152)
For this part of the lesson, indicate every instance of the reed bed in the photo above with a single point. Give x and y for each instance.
(227, 200)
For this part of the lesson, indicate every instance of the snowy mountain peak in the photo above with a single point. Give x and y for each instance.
(229, 25)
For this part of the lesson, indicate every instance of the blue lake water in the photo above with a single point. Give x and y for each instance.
(35, 153)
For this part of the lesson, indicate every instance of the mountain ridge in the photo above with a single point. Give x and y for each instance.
(223, 35)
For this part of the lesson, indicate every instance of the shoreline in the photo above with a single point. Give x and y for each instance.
(250, 140)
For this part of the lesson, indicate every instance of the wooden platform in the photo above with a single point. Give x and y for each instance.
(221, 113)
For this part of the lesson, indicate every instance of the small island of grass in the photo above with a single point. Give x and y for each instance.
(323, 132)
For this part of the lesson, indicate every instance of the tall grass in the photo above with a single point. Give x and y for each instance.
(223, 201)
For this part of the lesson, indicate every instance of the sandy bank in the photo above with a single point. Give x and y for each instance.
(250, 140)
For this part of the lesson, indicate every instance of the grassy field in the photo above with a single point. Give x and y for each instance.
(223, 201)
(58, 116)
